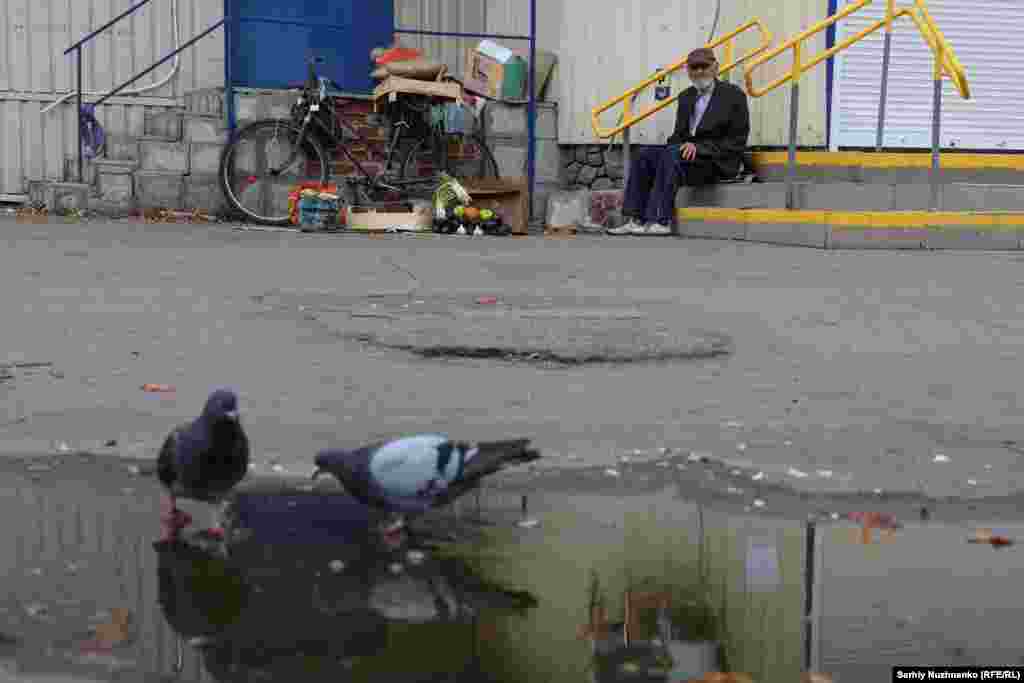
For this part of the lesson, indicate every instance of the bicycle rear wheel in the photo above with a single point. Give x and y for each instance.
(253, 175)
(424, 159)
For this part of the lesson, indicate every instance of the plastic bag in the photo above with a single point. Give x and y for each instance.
(568, 209)
(397, 54)
(455, 118)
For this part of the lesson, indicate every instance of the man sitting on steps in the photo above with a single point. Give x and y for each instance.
(708, 145)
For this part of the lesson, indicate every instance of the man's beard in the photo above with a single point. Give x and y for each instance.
(702, 84)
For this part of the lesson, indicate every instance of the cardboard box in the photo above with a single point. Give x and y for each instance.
(394, 218)
(490, 78)
(507, 197)
(507, 82)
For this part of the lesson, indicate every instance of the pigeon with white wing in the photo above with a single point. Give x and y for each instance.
(414, 474)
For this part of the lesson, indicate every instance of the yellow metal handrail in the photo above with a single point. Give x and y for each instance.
(629, 119)
(945, 59)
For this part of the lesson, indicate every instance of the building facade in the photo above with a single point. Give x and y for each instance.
(603, 49)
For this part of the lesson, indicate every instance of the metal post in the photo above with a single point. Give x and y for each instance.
(794, 113)
(78, 99)
(729, 54)
(531, 136)
(808, 595)
(936, 130)
(886, 55)
(229, 90)
(626, 148)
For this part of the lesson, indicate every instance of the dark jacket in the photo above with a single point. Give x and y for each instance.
(722, 132)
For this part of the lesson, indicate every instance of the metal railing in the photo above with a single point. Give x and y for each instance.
(945, 63)
(627, 120)
(77, 48)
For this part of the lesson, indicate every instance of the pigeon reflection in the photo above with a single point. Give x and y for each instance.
(314, 605)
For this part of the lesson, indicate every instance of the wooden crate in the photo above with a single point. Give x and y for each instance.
(507, 197)
(395, 85)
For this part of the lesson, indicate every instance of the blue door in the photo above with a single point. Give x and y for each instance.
(273, 40)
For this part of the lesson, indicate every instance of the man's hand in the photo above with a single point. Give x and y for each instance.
(688, 151)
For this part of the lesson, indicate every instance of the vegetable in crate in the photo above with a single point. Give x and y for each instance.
(450, 192)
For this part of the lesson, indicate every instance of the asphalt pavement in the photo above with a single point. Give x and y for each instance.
(827, 371)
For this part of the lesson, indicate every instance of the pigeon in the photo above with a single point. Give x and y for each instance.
(413, 474)
(204, 459)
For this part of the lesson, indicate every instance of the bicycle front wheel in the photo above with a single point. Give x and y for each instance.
(263, 163)
(425, 160)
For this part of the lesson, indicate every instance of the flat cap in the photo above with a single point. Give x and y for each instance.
(702, 56)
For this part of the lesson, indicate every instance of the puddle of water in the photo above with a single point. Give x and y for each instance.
(602, 579)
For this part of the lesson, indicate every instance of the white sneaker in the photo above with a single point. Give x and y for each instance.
(626, 228)
(658, 229)
(640, 229)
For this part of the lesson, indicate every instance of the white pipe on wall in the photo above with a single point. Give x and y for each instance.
(176, 39)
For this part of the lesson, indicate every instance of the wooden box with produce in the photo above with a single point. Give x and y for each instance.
(480, 207)
(507, 197)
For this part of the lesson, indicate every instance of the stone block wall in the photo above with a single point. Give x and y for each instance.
(592, 167)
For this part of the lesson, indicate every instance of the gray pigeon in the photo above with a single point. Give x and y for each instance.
(204, 459)
(414, 474)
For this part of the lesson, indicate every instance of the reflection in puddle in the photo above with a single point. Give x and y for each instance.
(611, 580)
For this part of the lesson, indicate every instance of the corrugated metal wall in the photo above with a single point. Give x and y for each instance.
(459, 16)
(34, 72)
(602, 51)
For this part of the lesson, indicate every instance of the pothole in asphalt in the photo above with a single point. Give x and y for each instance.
(519, 329)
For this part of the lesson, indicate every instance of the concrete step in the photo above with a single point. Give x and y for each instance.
(202, 191)
(250, 105)
(115, 182)
(167, 190)
(893, 168)
(115, 186)
(105, 165)
(71, 170)
(112, 208)
(62, 197)
(165, 124)
(121, 147)
(253, 106)
(204, 128)
(959, 230)
(849, 196)
(159, 189)
(163, 154)
(205, 102)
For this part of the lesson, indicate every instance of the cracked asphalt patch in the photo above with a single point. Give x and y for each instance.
(868, 366)
(542, 330)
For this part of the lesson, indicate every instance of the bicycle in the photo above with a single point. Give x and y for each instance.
(257, 184)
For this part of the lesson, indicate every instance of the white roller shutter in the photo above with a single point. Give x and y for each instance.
(988, 38)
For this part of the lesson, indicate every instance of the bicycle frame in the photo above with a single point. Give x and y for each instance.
(315, 92)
